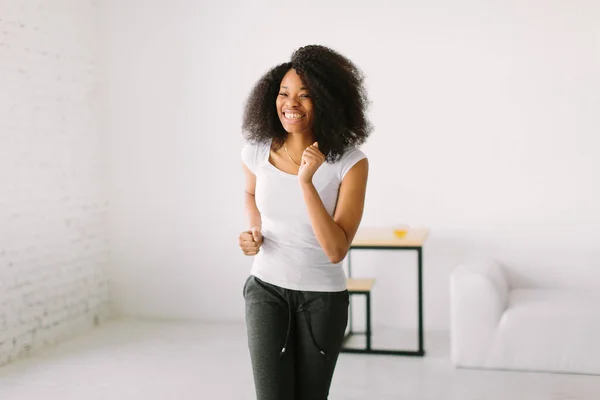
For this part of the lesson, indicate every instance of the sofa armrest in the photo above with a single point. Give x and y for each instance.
(478, 298)
(488, 270)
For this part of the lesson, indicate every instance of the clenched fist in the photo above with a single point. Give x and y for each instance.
(250, 241)
(312, 159)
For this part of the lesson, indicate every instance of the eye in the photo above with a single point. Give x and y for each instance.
(305, 95)
(283, 94)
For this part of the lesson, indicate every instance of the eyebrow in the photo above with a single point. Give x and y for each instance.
(302, 88)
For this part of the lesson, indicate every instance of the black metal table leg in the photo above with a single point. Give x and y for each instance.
(421, 349)
(420, 295)
(350, 305)
(368, 295)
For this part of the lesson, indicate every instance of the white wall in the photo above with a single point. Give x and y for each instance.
(53, 198)
(486, 132)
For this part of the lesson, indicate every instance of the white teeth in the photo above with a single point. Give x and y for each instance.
(293, 116)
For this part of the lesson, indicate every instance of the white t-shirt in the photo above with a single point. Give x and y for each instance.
(291, 256)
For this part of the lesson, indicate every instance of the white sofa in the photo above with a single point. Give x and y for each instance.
(525, 316)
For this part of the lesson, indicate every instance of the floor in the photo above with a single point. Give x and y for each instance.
(136, 359)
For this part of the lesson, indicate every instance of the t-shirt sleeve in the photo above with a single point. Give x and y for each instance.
(249, 156)
(349, 160)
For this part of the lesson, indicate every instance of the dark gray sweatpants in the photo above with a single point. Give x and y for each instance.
(294, 339)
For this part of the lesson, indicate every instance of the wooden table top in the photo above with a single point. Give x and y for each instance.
(384, 237)
(359, 285)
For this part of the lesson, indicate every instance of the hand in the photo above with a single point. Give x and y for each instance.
(312, 159)
(250, 241)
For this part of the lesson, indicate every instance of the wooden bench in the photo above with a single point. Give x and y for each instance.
(360, 287)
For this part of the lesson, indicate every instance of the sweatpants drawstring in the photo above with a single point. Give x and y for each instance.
(287, 335)
(310, 331)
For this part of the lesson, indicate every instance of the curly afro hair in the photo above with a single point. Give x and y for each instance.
(339, 100)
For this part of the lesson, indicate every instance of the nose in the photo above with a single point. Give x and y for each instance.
(291, 102)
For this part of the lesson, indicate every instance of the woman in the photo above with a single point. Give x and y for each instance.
(305, 192)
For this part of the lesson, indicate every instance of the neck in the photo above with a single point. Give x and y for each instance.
(296, 143)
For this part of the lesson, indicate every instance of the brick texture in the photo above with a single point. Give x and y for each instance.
(53, 202)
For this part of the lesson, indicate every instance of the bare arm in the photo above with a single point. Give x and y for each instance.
(251, 240)
(336, 234)
(252, 212)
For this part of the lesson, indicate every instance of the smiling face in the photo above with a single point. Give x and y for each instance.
(294, 105)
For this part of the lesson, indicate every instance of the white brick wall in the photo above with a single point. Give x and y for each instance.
(53, 245)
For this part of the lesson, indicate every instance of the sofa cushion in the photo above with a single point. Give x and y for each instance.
(549, 330)
(539, 303)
